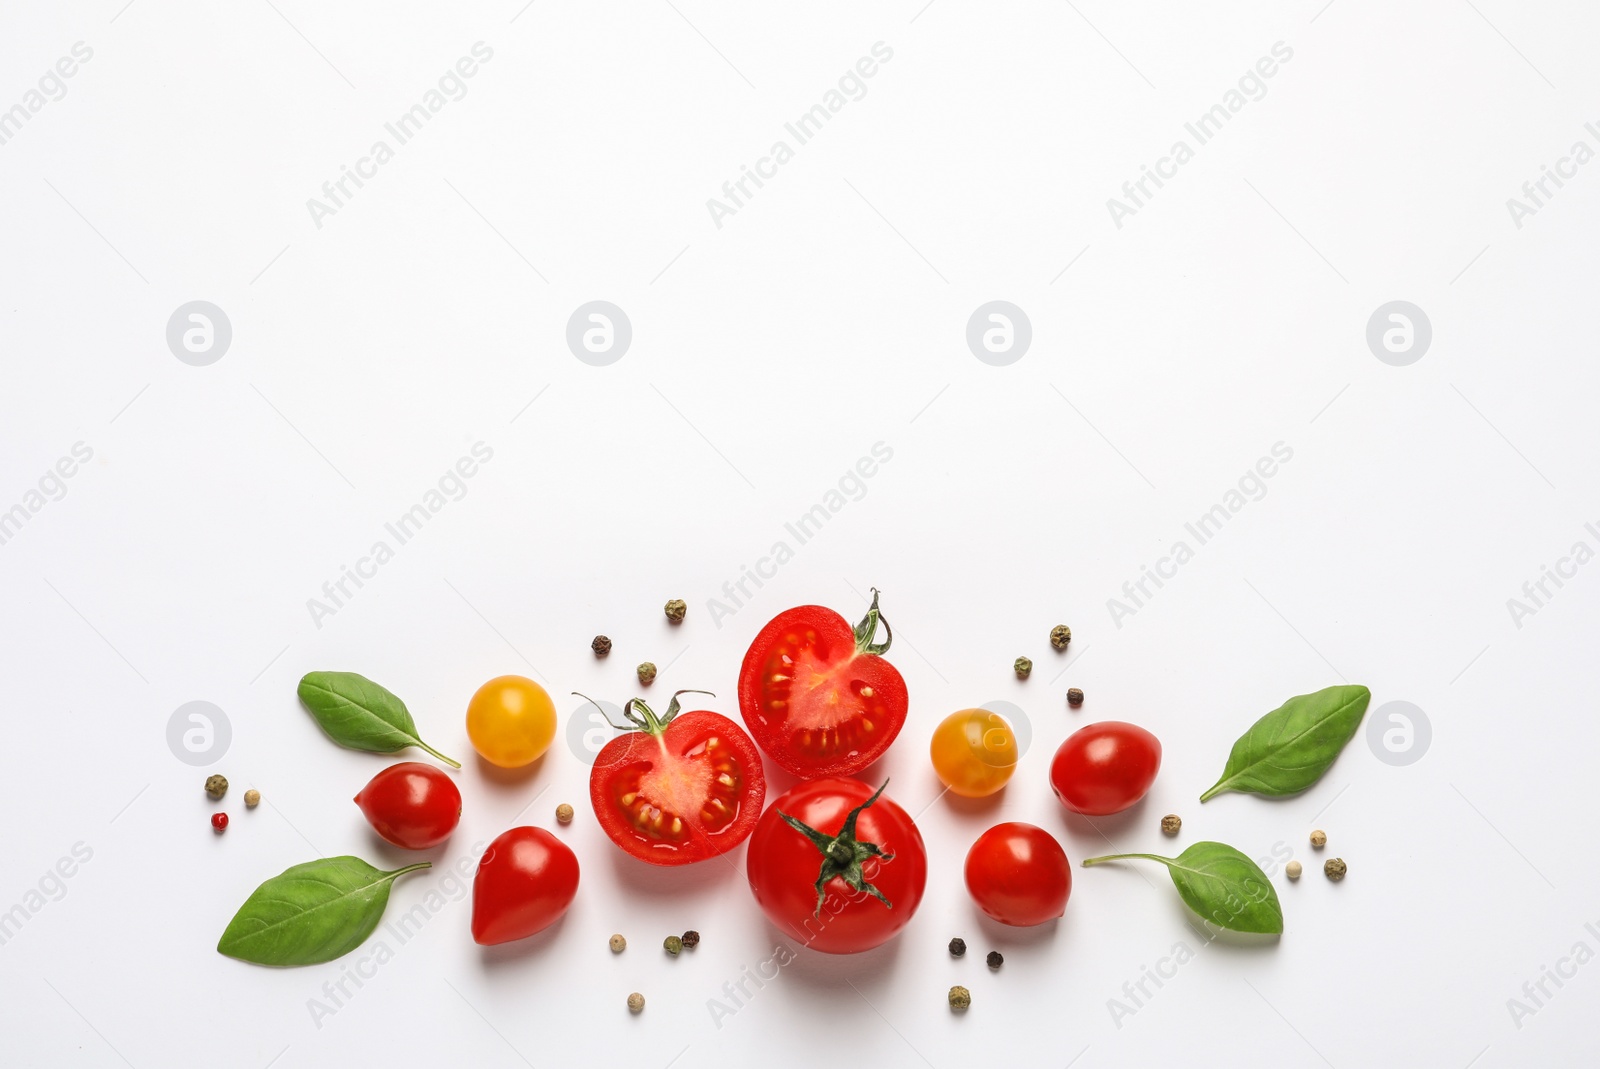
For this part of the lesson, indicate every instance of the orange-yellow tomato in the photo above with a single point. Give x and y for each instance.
(511, 721)
(974, 752)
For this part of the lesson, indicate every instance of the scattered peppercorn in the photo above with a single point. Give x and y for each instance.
(219, 822)
(1292, 870)
(1074, 697)
(647, 673)
(994, 959)
(216, 786)
(618, 944)
(691, 939)
(601, 645)
(564, 813)
(1023, 667)
(252, 798)
(675, 610)
(1319, 838)
(958, 947)
(960, 998)
(636, 1003)
(1171, 823)
(1334, 868)
(674, 945)
(1060, 635)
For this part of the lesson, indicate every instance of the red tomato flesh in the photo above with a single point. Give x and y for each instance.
(691, 792)
(815, 698)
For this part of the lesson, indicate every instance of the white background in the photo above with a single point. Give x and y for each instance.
(768, 355)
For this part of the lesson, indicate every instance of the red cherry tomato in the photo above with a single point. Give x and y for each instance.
(526, 880)
(411, 804)
(1105, 768)
(682, 788)
(1018, 874)
(818, 696)
(861, 844)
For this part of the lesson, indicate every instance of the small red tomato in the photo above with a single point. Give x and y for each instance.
(837, 866)
(411, 804)
(526, 880)
(1019, 875)
(1105, 768)
(219, 822)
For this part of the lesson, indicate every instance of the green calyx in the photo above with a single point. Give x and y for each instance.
(843, 854)
(867, 629)
(645, 719)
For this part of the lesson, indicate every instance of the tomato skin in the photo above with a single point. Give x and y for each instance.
(411, 804)
(974, 752)
(511, 721)
(1104, 768)
(1019, 875)
(783, 865)
(525, 882)
(811, 735)
(620, 760)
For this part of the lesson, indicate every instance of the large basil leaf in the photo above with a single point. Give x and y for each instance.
(310, 913)
(358, 713)
(1290, 748)
(1221, 885)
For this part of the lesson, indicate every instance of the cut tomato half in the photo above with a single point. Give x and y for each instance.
(817, 694)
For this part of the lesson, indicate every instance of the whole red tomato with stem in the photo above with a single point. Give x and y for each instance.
(818, 695)
(1104, 768)
(679, 788)
(1018, 874)
(411, 805)
(525, 882)
(837, 866)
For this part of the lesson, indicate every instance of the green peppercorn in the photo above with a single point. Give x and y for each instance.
(691, 939)
(674, 945)
(958, 947)
(647, 673)
(960, 998)
(675, 610)
(1334, 868)
(1060, 635)
(1023, 667)
(216, 786)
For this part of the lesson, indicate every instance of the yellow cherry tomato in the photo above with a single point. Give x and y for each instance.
(511, 721)
(974, 752)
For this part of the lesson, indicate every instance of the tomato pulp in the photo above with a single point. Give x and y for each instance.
(837, 866)
(817, 694)
(681, 788)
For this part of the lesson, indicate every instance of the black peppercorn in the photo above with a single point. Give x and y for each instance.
(958, 947)
(601, 645)
(691, 939)
(1074, 697)
(994, 959)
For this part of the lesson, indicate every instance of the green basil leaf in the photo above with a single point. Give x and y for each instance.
(310, 913)
(1221, 885)
(357, 713)
(1290, 748)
